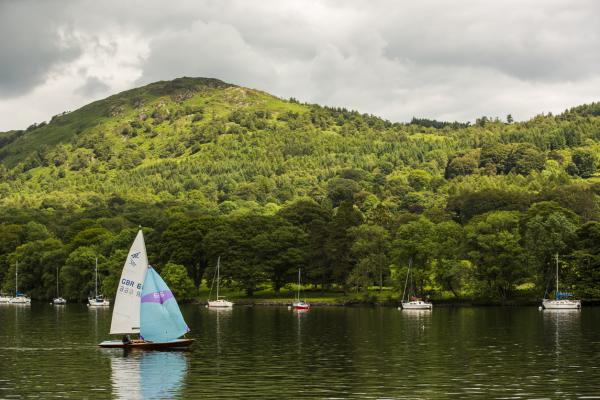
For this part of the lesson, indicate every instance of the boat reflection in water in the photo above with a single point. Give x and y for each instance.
(148, 374)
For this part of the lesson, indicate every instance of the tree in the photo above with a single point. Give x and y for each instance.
(281, 249)
(176, 277)
(451, 271)
(341, 189)
(370, 247)
(585, 163)
(183, 243)
(414, 242)
(494, 248)
(547, 230)
(339, 241)
(78, 273)
(586, 258)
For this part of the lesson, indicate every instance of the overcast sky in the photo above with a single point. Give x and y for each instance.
(450, 60)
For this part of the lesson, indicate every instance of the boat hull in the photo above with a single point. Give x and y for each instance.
(94, 303)
(561, 304)
(143, 345)
(59, 301)
(220, 304)
(20, 300)
(416, 305)
(301, 306)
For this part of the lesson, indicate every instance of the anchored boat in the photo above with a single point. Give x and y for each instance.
(19, 298)
(219, 302)
(98, 300)
(413, 303)
(145, 305)
(561, 302)
(300, 304)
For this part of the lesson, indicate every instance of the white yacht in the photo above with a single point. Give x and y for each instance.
(97, 300)
(559, 303)
(58, 300)
(413, 303)
(219, 303)
(19, 298)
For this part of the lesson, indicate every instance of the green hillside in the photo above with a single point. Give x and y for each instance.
(271, 185)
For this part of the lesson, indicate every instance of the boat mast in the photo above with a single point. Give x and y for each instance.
(96, 283)
(556, 276)
(298, 291)
(218, 274)
(57, 282)
(406, 281)
(17, 278)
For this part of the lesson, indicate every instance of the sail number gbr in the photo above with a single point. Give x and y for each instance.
(129, 287)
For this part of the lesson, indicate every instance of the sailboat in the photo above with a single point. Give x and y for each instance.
(219, 303)
(300, 304)
(19, 298)
(97, 300)
(58, 300)
(413, 303)
(560, 303)
(145, 305)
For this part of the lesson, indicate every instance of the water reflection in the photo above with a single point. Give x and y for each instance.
(148, 375)
(560, 324)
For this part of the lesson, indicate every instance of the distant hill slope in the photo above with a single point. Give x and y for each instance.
(203, 140)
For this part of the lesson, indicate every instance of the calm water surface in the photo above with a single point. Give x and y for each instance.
(260, 352)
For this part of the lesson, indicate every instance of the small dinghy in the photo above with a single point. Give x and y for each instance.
(145, 305)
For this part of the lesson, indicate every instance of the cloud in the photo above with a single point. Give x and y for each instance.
(33, 46)
(446, 60)
(92, 86)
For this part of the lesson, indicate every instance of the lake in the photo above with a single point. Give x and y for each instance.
(330, 352)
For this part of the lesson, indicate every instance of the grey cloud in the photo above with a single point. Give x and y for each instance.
(32, 46)
(436, 59)
(92, 87)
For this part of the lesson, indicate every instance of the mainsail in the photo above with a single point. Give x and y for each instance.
(126, 313)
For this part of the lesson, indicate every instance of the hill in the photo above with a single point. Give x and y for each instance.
(210, 168)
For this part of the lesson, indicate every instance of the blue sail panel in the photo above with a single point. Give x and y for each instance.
(160, 317)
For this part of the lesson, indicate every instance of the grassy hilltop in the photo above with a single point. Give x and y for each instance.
(271, 185)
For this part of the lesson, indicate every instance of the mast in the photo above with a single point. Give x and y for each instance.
(298, 291)
(218, 274)
(556, 276)
(17, 278)
(406, 281)
(96, 282)
(56, 281)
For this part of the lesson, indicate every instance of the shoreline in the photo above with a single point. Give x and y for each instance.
(395, 303)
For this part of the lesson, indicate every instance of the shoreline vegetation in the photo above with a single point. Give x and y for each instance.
(480, 209)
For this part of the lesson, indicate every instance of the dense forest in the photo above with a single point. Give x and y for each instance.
(211, 169)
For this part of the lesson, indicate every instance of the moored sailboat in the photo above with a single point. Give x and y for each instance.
(58, 300)
(560, 302)
(19, 298)
(300, 304)
(413, 303)
(145, 305)
(219, 302)
(97, 300)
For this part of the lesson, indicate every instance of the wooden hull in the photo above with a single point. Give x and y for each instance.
(140, 344)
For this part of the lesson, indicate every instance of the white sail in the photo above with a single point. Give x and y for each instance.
(126, 314)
